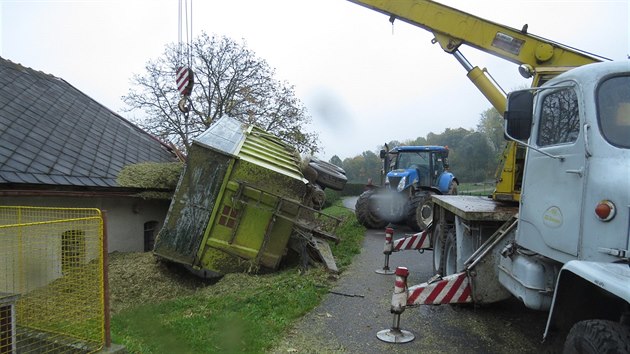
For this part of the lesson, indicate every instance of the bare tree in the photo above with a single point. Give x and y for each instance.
(229, 80)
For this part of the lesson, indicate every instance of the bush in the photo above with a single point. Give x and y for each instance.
(331, 197)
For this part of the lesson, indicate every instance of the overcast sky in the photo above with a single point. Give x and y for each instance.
(363, 81)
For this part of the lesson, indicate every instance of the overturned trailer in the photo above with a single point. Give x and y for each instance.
(241, 201)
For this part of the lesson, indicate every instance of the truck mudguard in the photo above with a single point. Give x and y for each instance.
(583, 281)
(445, 181)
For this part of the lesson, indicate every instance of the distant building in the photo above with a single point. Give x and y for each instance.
(60, 148)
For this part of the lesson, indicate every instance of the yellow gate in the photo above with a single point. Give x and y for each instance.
(51, 280)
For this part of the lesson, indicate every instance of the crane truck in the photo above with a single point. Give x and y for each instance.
(556, 232)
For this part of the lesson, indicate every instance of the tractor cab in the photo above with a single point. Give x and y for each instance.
(420, 167)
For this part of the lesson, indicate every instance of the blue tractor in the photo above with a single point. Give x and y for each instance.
(413, 174)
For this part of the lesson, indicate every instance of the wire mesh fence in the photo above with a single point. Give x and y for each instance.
(51, 280)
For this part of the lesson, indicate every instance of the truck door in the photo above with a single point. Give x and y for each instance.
(551, 203)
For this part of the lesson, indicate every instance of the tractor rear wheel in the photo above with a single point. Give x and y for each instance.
(420, 211)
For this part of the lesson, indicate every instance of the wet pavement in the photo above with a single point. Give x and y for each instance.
(358, 307)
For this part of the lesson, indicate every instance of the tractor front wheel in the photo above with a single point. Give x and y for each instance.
(366, 213)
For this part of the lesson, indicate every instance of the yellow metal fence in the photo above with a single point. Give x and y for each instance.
(51, 280)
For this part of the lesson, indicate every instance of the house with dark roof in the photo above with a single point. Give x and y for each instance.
(60, 148)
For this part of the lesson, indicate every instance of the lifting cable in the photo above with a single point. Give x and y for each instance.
(184, 75)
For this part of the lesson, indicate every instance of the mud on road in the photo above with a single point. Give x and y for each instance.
(348, 319)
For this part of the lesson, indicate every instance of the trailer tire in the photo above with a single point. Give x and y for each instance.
(598, 336)
(366, 213)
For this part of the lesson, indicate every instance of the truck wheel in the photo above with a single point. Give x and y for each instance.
(420, 211)
(328, 175)
(598, 336)
(366, 213)
(449, 259)
(438, 249)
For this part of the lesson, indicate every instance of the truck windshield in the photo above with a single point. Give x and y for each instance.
(613, 105)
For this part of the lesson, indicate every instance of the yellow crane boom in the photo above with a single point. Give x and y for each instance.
(538, 57)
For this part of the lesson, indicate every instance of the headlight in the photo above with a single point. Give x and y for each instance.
(401, 184)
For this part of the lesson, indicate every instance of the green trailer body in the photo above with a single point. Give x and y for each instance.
(237, 202)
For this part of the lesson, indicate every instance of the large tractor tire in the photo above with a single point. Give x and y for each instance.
(598, 336)
(420, 211)
(328, 175)
(366, 213)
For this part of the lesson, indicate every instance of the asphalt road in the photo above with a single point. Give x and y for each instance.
(358, 307)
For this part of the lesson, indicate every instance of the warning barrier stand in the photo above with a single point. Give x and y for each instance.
(388, 249)
(419, 241)
(452, 289)
(399, 303)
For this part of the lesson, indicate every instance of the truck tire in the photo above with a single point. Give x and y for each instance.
(420, 211)
(438, 249)
(366, 213)
(598, 336)
(449, 259)
(328, 175)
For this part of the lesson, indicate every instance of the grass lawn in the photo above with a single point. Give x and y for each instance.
(158, 310)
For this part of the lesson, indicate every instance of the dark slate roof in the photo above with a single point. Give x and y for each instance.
(53, 134)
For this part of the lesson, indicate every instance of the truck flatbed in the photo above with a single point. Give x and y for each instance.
(476, 208)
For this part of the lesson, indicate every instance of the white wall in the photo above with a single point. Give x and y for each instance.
(125, 216)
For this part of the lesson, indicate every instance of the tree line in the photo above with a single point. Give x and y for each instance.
(474, 154)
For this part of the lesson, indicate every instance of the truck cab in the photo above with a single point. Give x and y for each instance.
(574, 214)
(576, 187)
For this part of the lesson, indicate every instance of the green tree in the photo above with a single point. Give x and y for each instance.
(361, 168)
(229, 80)
(491, 125)
(474, 160)
(335, 160)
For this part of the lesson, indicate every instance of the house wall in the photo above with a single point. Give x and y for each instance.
(126, 217)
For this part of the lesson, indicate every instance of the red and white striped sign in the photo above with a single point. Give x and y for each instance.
(185, 81)
(419, 241)
(452, 289)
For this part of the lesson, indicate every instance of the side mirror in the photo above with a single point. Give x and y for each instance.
(518, 114)
(383, 153)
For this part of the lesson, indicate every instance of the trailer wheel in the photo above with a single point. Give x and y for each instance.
(598, 336)
(366, 213)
